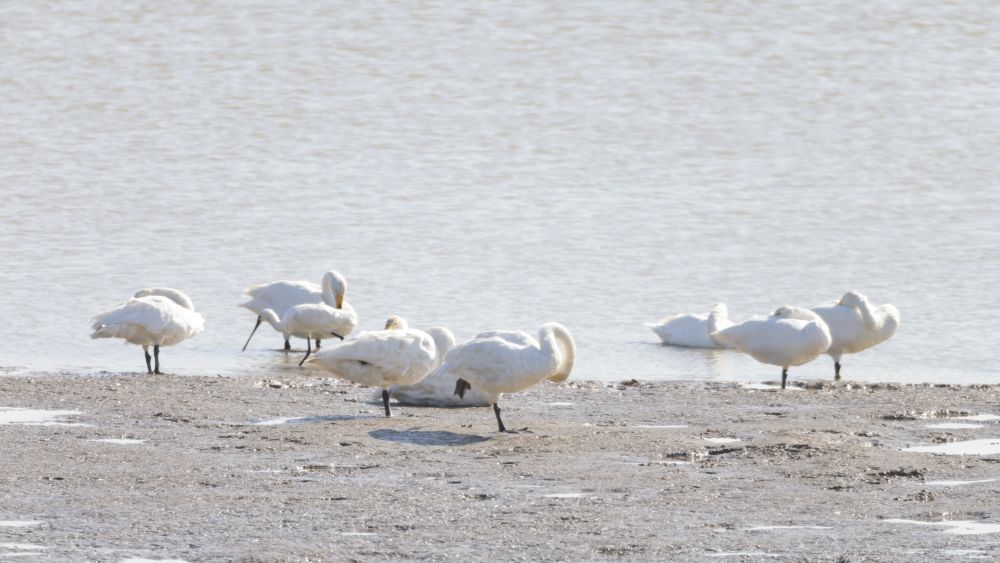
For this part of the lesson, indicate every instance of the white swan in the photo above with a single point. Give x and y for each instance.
(691, 329)
(856, 325)
(438, 388)
(312, 321)
(280, 296)
(156, 316)
(791, 336)
(381, 358)
(508, 362)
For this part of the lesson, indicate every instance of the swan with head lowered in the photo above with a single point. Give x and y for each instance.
(503, 362)
(791, 336)
(280, 296)
(691, 329)
(856, 325)
(438, 388)
(398, 355)
(156, 316)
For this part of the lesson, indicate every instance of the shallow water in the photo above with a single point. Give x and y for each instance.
(479, 166)
(957, 527)
(36, 417)
(985, 446)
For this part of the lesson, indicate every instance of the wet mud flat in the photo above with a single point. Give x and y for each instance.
(291, 466)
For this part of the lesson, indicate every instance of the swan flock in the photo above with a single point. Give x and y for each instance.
(427, 367)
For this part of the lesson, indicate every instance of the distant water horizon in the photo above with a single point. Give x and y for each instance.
(501, 165)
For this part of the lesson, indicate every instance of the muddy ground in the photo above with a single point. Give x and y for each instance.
(600, 472)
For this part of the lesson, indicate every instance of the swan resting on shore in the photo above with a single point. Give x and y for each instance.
(791, 336)
(691, 329)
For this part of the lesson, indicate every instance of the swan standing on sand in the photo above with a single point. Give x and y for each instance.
(856, 325)
(438, 388)
(506, 362)
(280, 296)
(691, 329)
(791, 336)
(381, 358)
(156, 316)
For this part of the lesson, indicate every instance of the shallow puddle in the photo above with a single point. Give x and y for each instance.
(35, 417)
(565, 495)
(980, 417)
(18, 523)
(648, 426)
(959, 483)
(988, 446)
(768, 387)
(315, 419)
(722, 440)
(21, 546)
(358, 534)
(560, 404)
(766, 528)
(144, 560)
(120, 441)
(957, 527)
(955, 425)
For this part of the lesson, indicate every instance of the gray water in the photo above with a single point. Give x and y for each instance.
(488, 165)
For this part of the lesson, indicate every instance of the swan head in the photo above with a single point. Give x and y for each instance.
(335, 284)
(852, 299)
(396, 323)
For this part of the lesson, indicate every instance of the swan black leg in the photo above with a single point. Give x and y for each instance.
(156, 357)
(385, 401)
(288, 346)
(149, 366)
(255, 327)
(784, 377)
(836, 371)
(308, 350)
(461, 386)
(317, 344)
(496, 411)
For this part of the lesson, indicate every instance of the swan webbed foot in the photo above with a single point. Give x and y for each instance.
(836, 371)
(288, 346)
(385, 401)
(784, 377)
(461, 386)
(496, 411)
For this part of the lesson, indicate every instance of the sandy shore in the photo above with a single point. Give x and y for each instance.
(299, 468)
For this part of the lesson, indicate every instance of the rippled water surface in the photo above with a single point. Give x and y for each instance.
(497, 165)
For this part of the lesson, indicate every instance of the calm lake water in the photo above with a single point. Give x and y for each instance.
(486, 165)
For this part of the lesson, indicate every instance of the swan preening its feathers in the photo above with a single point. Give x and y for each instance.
(506, 362)
(156, 316)
(855, 325)
(691, 329)
(303, 309)
(396, 356)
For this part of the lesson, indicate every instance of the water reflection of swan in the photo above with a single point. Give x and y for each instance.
(510, 362)
(856, 325)
(691, 329)
(791, 336)
(157, 316)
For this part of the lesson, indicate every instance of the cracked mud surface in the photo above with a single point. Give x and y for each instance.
(301, 468)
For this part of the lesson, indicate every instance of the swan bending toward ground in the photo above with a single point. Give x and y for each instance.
(312, 321)
(438, 388)
(280, 296)
(506, 362)
(791, 336)
(691, 329)
(381, 358)
(156, 316)
(856, 325)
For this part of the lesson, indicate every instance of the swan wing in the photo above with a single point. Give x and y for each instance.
(438, 390)
(280, 296)
(382, 358)
(497, 365)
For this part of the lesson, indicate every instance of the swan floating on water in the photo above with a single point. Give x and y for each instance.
(156, 316)
(855, 325)
(791, 336)
(396, 356)
(280, 296)
(438, 388)
(507, 362)
(691, 329)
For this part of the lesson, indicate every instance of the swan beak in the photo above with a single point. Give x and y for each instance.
(339, 300)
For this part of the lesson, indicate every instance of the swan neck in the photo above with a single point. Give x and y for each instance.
(272, 318)
(555, 339)
(333, 290)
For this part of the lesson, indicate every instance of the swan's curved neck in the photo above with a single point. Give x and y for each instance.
(556, 340)
(172, 294)
(333, 290)
(272, 318)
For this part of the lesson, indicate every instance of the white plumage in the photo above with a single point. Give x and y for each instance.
(382, 358)
(158, 316)
(507, 362)
(438, 388)
(280, 297)
(691, 329)
(855, 325)
(791, 336)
